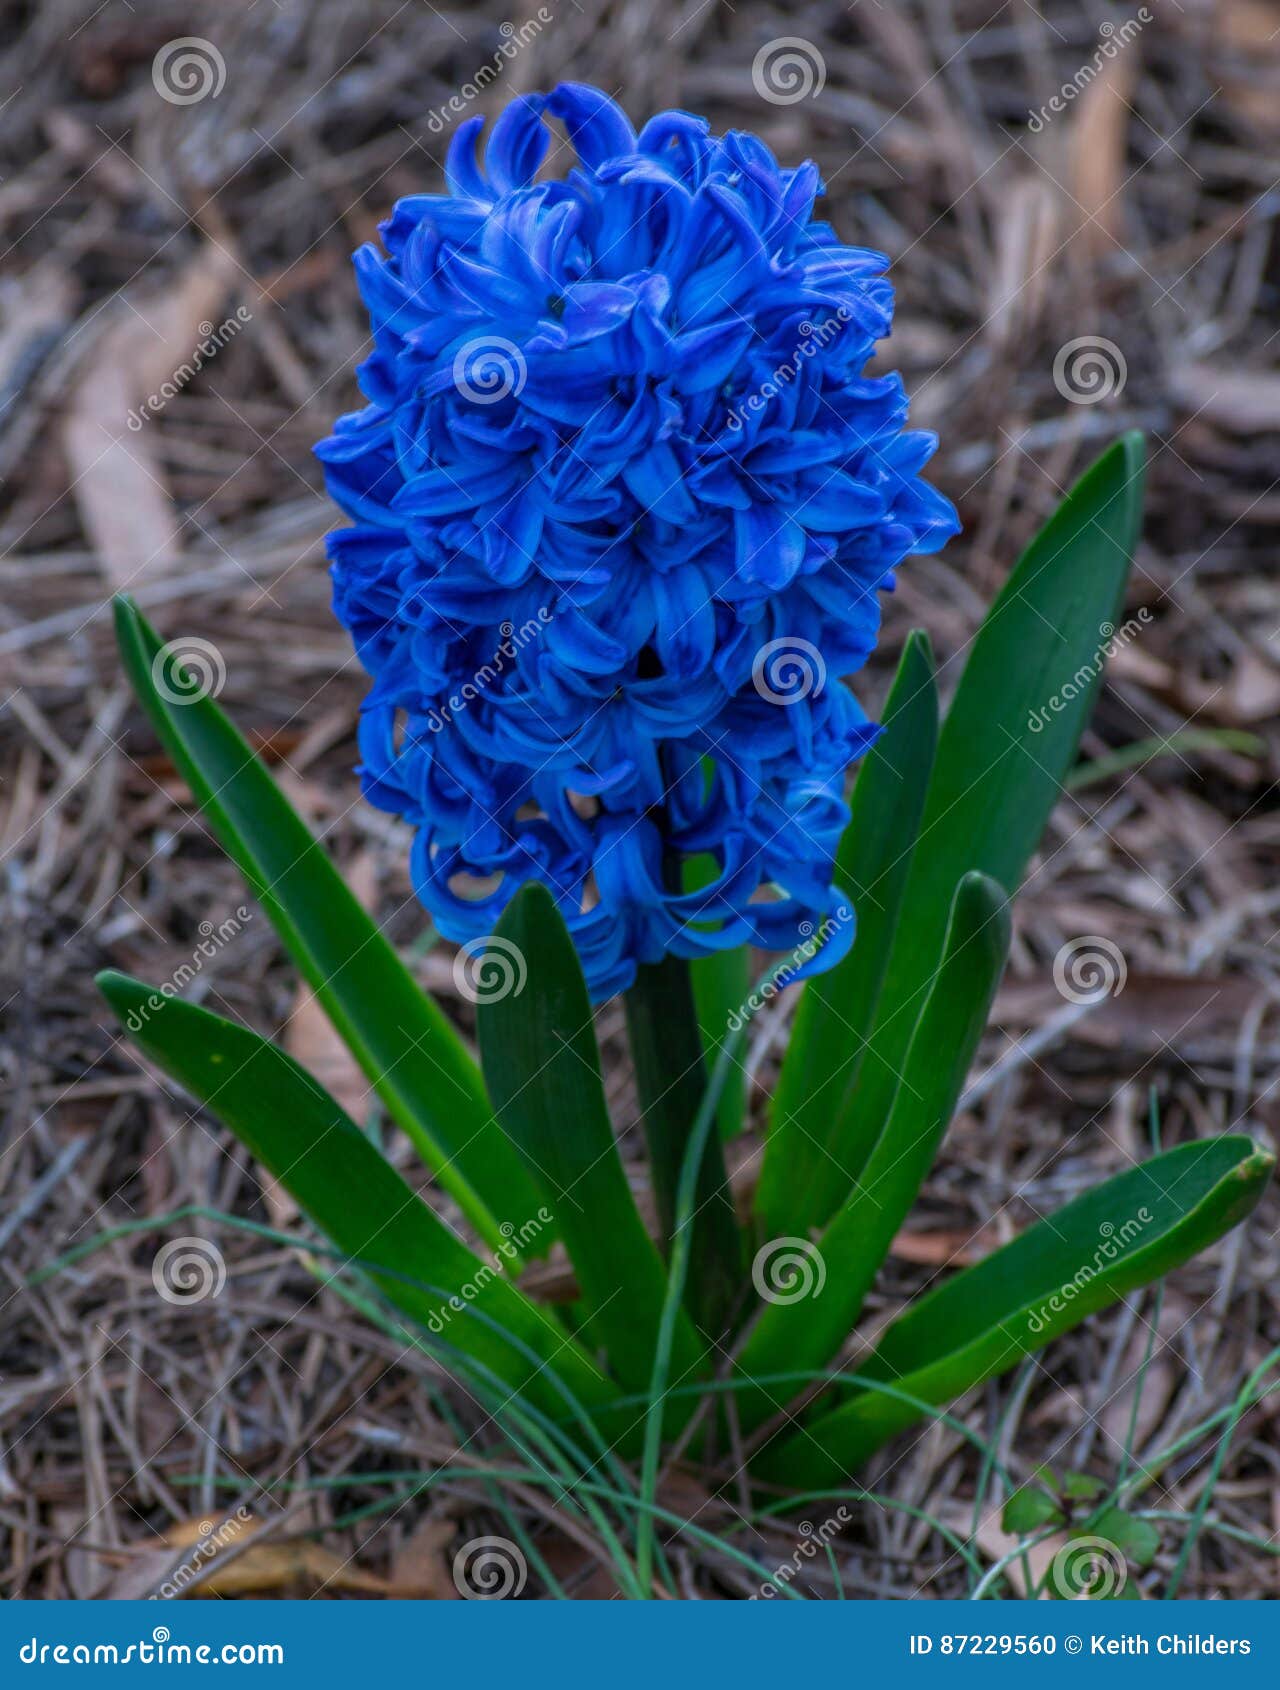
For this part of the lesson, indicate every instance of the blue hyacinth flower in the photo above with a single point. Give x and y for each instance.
(623, 503)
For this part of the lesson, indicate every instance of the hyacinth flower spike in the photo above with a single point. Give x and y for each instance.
(620, 460)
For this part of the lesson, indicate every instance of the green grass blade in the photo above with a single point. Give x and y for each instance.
(403, 1042)
(353, 1194)
(687, 1184)
(1010, 736)
(985, 1319)
(1184, 742)
(817, 1145)
(538, 1047)
(802, 1332)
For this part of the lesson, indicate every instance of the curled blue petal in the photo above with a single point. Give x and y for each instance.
(597, 125)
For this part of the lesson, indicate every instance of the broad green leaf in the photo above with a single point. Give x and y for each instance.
(343, 1183)
(1138, 1540)
(403, 1042)
(1028, 1509)
(817, 1145)
(671, 1081)
(987, 1318)
(806, 1332)
(1082, 1487)
(1010, 735)
(538, 1048)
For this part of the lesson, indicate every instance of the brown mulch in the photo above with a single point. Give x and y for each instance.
(1143, 214)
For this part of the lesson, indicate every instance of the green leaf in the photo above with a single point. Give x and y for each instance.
(1010, 735)
(721, 982)
(1028, 1509)
(353, 1194)
(671, 1081)
(1138, 1540)
(805, 1332)
(538, 1048)
(817, 1145)
(1082, 1487)
(403, 1042)
(987, 1318)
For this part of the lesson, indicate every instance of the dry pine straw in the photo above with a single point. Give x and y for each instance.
(1145, 215)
